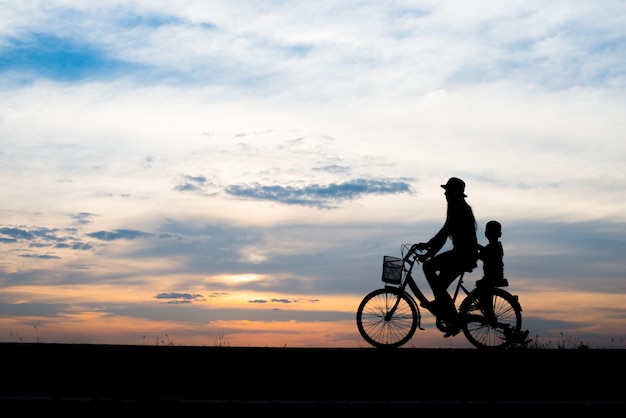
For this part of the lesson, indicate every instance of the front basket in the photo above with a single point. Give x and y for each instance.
(392, 269)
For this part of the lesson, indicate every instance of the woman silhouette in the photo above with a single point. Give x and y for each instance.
(441, 269)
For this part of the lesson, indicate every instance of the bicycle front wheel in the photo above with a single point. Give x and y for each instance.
(387, 318)
(492, 318)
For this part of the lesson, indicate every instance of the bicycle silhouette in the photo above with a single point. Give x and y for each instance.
(489, 317)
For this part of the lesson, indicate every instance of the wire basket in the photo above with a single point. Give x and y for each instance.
(392, 269)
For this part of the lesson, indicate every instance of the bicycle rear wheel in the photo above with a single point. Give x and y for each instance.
(492, 318)
(377, 327)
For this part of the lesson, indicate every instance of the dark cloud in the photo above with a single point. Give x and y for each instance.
(178, 298)
(217, 294)
(319, 195)
(119, 234)
(197, 179)
(14, 234)
(35, 233)
(271, 300)
(30, 309)
(39, 237)
(79, 266)
(82, 217)
(333, 169)
(41, 256)
(76, 245)
(578, 251)
(173, 295)
(187, 187)
(189, 183)
(282, 301)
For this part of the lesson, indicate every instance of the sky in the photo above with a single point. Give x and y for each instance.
(232, 173)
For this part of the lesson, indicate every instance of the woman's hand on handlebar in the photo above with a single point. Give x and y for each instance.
(416, 249)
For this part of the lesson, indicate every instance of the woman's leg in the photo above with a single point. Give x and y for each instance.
(440, 271)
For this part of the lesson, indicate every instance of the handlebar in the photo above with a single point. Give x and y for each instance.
(412, 253)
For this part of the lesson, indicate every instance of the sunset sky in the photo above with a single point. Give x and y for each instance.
(232, 173)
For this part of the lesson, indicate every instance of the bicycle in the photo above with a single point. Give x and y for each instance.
(388, 317)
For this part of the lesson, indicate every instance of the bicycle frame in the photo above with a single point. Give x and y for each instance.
(408, 280)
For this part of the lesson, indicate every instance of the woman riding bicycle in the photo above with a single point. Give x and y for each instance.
(388, 317)
(441, 269)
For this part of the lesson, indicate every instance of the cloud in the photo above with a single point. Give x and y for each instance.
(217, 294)
(282, 301)
(285, 301)
(319, 195)
(76, 246)
(119, 234)
(334, 168)
(18, 233)
(41, 237)
(178, 298)
(189, 183)
(82, 218)
(342, 48)
(41, 256)
(174, 295)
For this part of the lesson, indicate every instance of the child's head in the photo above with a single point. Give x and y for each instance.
(493, 230)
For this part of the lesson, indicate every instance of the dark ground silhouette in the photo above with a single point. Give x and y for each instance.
(102, 380)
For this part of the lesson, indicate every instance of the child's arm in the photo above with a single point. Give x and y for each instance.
(480, 251)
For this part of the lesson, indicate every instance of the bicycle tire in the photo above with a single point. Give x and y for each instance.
(499, 329)
(395, 331)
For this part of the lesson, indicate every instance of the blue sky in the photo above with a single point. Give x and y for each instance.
(236, 171)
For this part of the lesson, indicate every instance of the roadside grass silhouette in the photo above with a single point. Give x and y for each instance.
(524, 342)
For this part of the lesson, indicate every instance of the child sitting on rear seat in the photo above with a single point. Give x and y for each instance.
(491, 256)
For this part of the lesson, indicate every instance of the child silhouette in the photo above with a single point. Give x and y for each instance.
(491, 256)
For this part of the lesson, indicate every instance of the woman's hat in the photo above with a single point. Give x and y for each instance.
(455, 185)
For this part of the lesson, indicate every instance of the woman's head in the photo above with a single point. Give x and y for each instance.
(454, 187)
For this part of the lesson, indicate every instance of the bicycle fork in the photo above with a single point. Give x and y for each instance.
(391, 311)
(399, 295)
